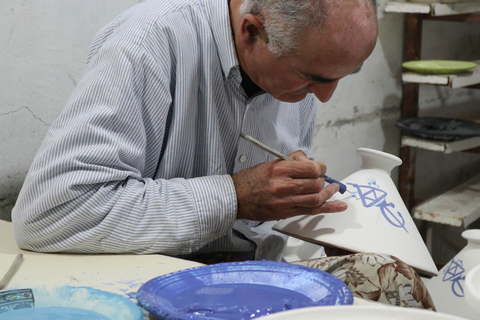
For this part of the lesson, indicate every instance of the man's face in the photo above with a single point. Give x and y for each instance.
(323, 58)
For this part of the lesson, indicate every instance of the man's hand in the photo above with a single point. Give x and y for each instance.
(281, 189)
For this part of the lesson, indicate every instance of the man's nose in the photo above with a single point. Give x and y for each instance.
(323, 91)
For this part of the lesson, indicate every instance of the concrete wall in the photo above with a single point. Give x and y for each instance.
(43, 46)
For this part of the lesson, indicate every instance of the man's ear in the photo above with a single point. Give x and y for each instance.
(251, 30)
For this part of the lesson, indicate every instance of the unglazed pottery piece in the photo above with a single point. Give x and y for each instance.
(448, 288)
(376, 219)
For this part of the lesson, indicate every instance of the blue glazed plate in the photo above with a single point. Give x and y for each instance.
(240, 290)
(65, 302)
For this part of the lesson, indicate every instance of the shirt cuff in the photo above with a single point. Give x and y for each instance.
(216, 202)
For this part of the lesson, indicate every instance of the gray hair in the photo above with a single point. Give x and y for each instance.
(286, 20)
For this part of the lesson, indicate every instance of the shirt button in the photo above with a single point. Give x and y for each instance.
(243, 158)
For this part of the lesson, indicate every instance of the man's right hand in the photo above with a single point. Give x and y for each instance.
(280, 189)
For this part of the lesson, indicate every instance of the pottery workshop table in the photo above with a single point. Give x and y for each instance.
(121, 274)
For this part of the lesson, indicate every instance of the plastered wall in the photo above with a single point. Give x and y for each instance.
(43, 47)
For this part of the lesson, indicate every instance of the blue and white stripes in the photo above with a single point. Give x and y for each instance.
(141, 158)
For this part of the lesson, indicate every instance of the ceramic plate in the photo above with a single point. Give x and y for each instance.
(240, 290)
(361, 313)
(73, 303)
(445, 129)
(439, 66)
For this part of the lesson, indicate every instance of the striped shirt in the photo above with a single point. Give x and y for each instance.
(140, 160)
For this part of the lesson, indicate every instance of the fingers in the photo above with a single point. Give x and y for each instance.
(331, 207)
(281, 189)
(303, 167)
(298, 155)
(315, 200)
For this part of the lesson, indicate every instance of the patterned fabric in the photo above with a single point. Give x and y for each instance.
(377, 277)
(141, 158)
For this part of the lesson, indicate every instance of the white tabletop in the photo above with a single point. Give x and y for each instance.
(121, 274)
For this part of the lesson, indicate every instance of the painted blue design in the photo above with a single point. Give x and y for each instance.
(16, 299)
(240, 290)
(371, 195)
(455, 274)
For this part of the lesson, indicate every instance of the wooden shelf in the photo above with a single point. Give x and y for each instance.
(457, 207)
(454, 81)
(415, 13)
(433, 9)
(441, 146)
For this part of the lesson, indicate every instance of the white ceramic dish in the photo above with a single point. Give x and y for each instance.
(472, 289)
(448, 288)
(360, 313)
(376, 219)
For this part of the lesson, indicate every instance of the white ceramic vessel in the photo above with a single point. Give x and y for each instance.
(301, 250)
(360, 313)
(376, 219)
(472, 289)
(448, 288)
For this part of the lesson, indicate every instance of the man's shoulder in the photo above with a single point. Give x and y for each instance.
(158, 9)
(173, 16)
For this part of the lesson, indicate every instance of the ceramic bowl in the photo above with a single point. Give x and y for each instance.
(448, 289)
(376, 219)
(65, 302)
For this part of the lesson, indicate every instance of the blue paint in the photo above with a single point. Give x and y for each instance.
(371, 195)
(240, 290)
(236, 301)
(53, 313)
(454, 273)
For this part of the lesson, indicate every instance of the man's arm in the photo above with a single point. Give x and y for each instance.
(91, 187)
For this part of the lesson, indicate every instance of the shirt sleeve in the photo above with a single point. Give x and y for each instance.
(91, 187)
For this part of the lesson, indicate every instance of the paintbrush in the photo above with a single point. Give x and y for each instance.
(11, 271)
(279, 155)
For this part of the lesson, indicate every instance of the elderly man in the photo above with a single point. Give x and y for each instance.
(147, 157)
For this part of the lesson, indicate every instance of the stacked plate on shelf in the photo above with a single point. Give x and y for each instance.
(439, 66)
(441, 129)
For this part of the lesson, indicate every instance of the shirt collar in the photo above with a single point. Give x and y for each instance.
(219, 16)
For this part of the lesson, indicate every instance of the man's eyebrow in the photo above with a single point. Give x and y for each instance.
(321, 79)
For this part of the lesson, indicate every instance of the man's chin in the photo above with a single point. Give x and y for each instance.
(291, 97)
